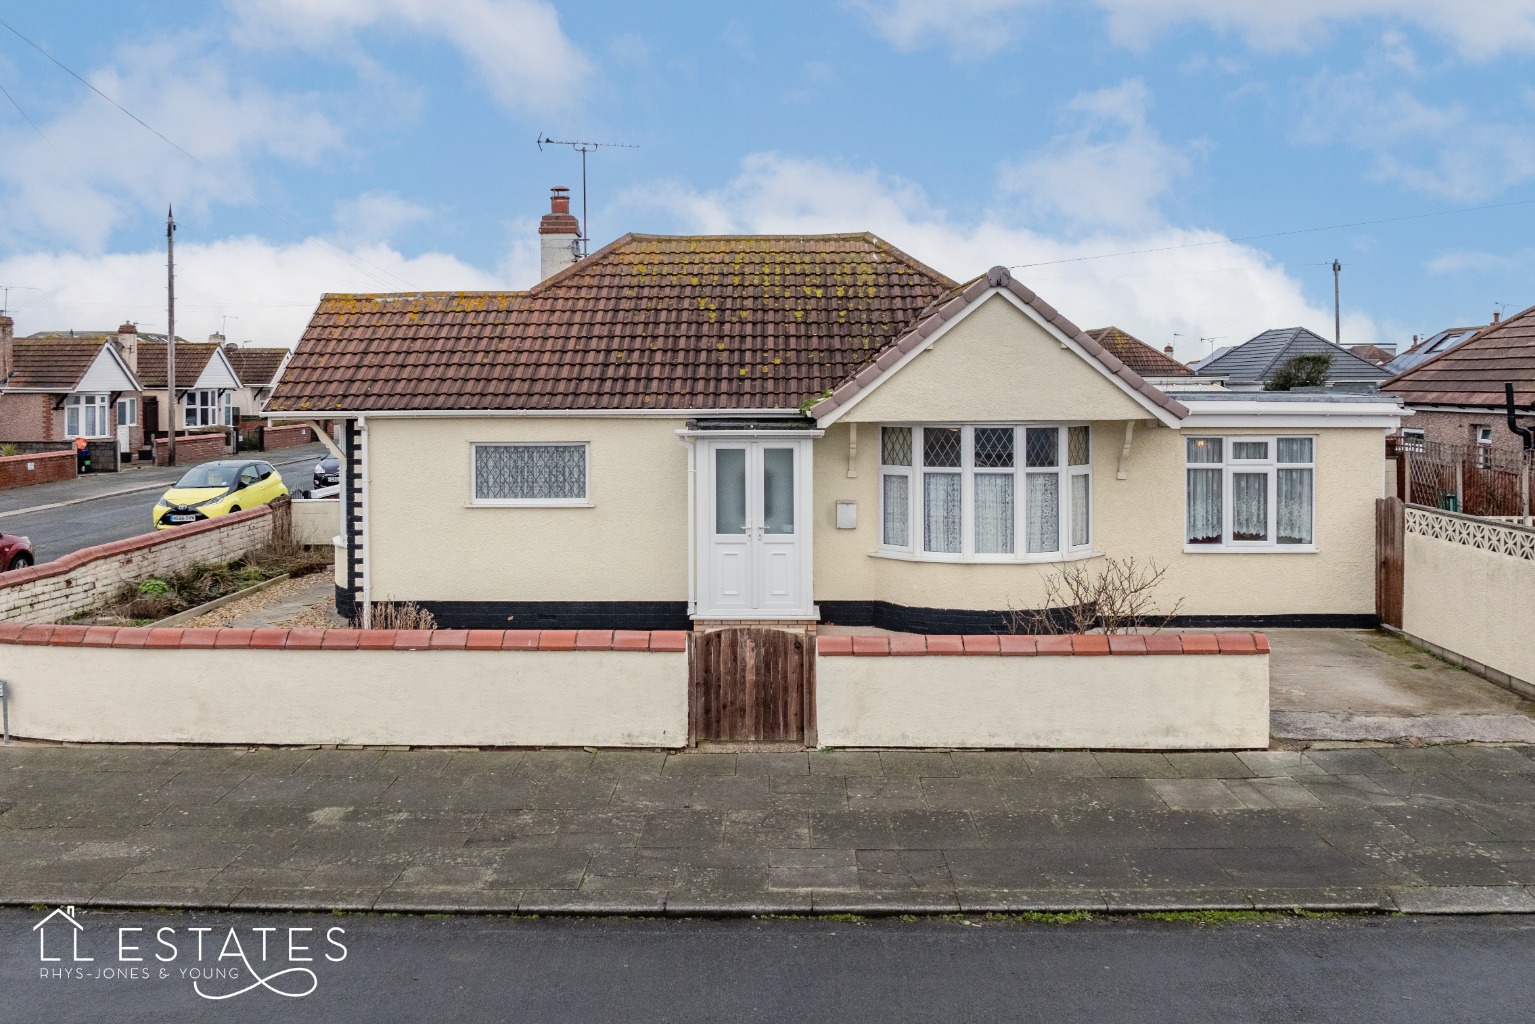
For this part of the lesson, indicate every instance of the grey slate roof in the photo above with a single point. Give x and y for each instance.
(1256, 361)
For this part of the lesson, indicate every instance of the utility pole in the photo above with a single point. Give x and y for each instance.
(1337, 310)
(170, 333)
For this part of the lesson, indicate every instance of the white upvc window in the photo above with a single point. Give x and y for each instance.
(536, 474)
(1249, 493)
(128, 411)
(201, 408)
(985, 493)
(226, 408)
(86, 416)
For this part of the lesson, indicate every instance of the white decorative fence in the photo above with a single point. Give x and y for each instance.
(1469, 593)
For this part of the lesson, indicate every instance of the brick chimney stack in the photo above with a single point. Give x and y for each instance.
(7, 347)
(1496, 316)
(128, 346)
(558, 235)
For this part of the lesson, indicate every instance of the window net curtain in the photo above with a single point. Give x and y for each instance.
(941, 512)
(1204, 507)
(1294, 506)
(993, 514)
(530, 472)
(1042, 512)
(897, 511)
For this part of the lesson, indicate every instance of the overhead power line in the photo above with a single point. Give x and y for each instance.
(1274, 234)
(356, 263)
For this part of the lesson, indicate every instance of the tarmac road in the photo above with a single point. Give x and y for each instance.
(56, 532)
(1356, 970)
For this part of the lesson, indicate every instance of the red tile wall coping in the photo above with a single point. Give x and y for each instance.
(85, 556)
(166, 638)
(1092, 644)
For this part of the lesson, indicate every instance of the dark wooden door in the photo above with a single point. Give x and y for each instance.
(751, 683)
(1390, 564)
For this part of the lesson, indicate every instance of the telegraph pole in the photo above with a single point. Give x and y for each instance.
(170, 334)
(1337, 310)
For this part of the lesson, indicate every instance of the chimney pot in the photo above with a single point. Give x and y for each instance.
(1495, 316)
(559, 233)
(1167, 351)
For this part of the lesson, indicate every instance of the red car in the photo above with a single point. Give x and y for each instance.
(15, 552)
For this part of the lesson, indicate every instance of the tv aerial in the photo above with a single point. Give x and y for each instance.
(583, 147)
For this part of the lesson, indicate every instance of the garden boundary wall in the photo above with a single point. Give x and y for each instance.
(42, 468)
(52, 591)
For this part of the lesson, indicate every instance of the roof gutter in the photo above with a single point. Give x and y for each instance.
(673, 414)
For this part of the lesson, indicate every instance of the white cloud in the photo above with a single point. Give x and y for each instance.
(95, 168)
(979, 27)
(1108, 171)
(1453, 151)
(272, 289)
(376, 217)
(1216, 288)
(1472, 261)
(971, 28)
(516, 47)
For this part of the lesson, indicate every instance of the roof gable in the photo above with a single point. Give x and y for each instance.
(217, 372)
(191, 359)
(646, 323)
(1258, 359)
(1006, 363)
(107, 373)
(1472, 372)
(50, 364)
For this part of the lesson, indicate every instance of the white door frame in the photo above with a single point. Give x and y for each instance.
(701, 538)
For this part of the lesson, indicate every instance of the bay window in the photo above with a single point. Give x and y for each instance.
(985, 493)
(86, 416)
(1249, 493)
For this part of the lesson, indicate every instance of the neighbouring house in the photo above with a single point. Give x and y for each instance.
(206, 384)
(1372, 354)
(691, 431)
(1456, 395)
(1159, 368)
(1432, 346)
(1253, 364)
(57, 386)
(258, 367)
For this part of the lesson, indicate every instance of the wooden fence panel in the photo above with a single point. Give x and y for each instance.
(749, 684)
(1390, 531)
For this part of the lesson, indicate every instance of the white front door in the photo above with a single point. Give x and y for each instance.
(753, 520)
(124, 438)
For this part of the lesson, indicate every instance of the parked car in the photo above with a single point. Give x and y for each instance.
(327, 472)
(216, 489)
(15, 552)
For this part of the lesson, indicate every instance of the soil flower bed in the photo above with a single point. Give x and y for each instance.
(156, 597)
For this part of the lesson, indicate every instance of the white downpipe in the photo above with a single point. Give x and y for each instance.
(367, 532)
(687, 442)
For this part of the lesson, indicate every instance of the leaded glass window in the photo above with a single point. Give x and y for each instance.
(530, 473)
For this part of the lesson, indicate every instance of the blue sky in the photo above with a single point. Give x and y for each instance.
(369, 145)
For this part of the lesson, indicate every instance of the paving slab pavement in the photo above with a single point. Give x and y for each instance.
(1446, 829)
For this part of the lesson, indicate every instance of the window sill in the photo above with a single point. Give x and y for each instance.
(906, 556)
(530, 504)
(1236, 549)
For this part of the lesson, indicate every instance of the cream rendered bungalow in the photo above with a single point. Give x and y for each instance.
(682, 431)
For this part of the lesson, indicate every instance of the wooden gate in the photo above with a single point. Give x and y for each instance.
(1390, 529)
(751, 683)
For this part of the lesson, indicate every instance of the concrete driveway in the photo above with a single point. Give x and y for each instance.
(1356, 684)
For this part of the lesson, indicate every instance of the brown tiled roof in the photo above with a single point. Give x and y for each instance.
(1138, 355)
(648, 322)
(1473, 372)
(254, 366)
(1372, 353)
(191, 358)
(52, 364)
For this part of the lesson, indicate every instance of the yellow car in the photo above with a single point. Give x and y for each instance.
(218, 488)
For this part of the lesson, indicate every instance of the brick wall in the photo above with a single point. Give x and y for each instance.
(193, 448)
(56, 590)
(1456, 427)
(275, 438)
(26, 417)
(24, 470)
